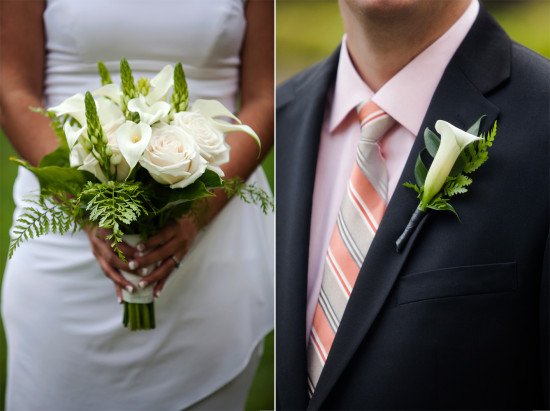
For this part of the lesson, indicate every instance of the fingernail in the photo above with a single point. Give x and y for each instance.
(119, 300)
(157, 294)
(143, 271)
(141, 247)
(139, 254)
(129, 288)
(142, 284)
(133, 265)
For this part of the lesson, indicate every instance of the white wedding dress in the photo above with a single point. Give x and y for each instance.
(67, 347)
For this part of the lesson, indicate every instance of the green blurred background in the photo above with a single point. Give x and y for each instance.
(307, 31)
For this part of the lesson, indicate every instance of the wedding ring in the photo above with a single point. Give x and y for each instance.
(175, 261)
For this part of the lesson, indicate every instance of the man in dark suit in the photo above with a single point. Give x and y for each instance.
(459, 319)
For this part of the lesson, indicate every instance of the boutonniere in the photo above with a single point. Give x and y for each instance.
(456, 155)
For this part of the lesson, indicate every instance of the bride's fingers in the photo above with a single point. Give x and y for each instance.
(114, 275)
(102, 234)
(118, 291)
(160, 274)
(162, 237)
(103, 247)
(159, 286)
(175, 245)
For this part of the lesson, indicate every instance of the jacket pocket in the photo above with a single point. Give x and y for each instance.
(457, 281)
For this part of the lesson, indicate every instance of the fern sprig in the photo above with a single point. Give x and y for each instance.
(249, 193)
(114, 205)
(44, 216)
(477, 153)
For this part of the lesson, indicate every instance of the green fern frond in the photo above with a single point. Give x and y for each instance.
(250, 194)
(456, 185)
(112, 205)
(43, 217)
(477, 153)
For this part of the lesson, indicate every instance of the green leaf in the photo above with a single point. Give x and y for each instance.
(458, 166)
(413, 186)
(432, 141)
(168, 197)
(104, 74)
(420, 170)
(55, 178)
(474, 129)
(59, 157)
(445, 207)
(211, 179)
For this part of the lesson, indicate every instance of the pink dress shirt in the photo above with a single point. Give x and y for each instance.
(405, 97)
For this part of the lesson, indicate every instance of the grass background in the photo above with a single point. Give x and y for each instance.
(307, 31)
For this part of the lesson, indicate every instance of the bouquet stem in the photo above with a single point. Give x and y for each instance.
(139, 316)
(416, 218)
(139, 306)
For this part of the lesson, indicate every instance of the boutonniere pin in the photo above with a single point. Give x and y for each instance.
(457, 154)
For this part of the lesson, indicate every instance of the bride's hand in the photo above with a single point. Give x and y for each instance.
(168, 247)
(109, 261)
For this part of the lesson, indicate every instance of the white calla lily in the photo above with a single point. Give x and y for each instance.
(90, 164)
(453, 141)
(111, 91)
(132, 141)
(78, 154)
(108, 112)
(213, 109)
(73, 106)
(161, 83)
(72, 133)
(149, 114)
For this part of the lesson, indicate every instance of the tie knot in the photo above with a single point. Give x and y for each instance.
(375, 122)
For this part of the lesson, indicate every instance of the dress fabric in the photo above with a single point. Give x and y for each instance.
(67, 348)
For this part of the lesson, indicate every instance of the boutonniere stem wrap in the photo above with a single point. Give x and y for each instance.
(455, 155)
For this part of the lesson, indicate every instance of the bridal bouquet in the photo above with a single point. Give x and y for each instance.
(132, 158)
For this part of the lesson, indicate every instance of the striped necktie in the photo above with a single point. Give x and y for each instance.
(360, 214)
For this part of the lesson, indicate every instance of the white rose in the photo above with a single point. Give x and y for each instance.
(210, 140)
(173, 157)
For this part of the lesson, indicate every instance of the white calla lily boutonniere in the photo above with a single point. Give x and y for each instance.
(457, 154)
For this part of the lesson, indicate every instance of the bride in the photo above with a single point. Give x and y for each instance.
(67, 348)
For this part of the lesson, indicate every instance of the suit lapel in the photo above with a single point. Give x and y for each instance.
(458, 99)
(300, 115)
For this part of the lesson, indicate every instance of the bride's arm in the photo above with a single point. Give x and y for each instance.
(21, 85)
(21, 75)
(257, 105)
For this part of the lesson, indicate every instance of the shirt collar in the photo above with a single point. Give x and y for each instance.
(407, 95)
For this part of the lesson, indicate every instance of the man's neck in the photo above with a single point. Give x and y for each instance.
(382, 39)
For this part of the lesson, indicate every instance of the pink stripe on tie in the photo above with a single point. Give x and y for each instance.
(340, 259)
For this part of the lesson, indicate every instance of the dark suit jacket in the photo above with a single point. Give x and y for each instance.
(459, 319)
